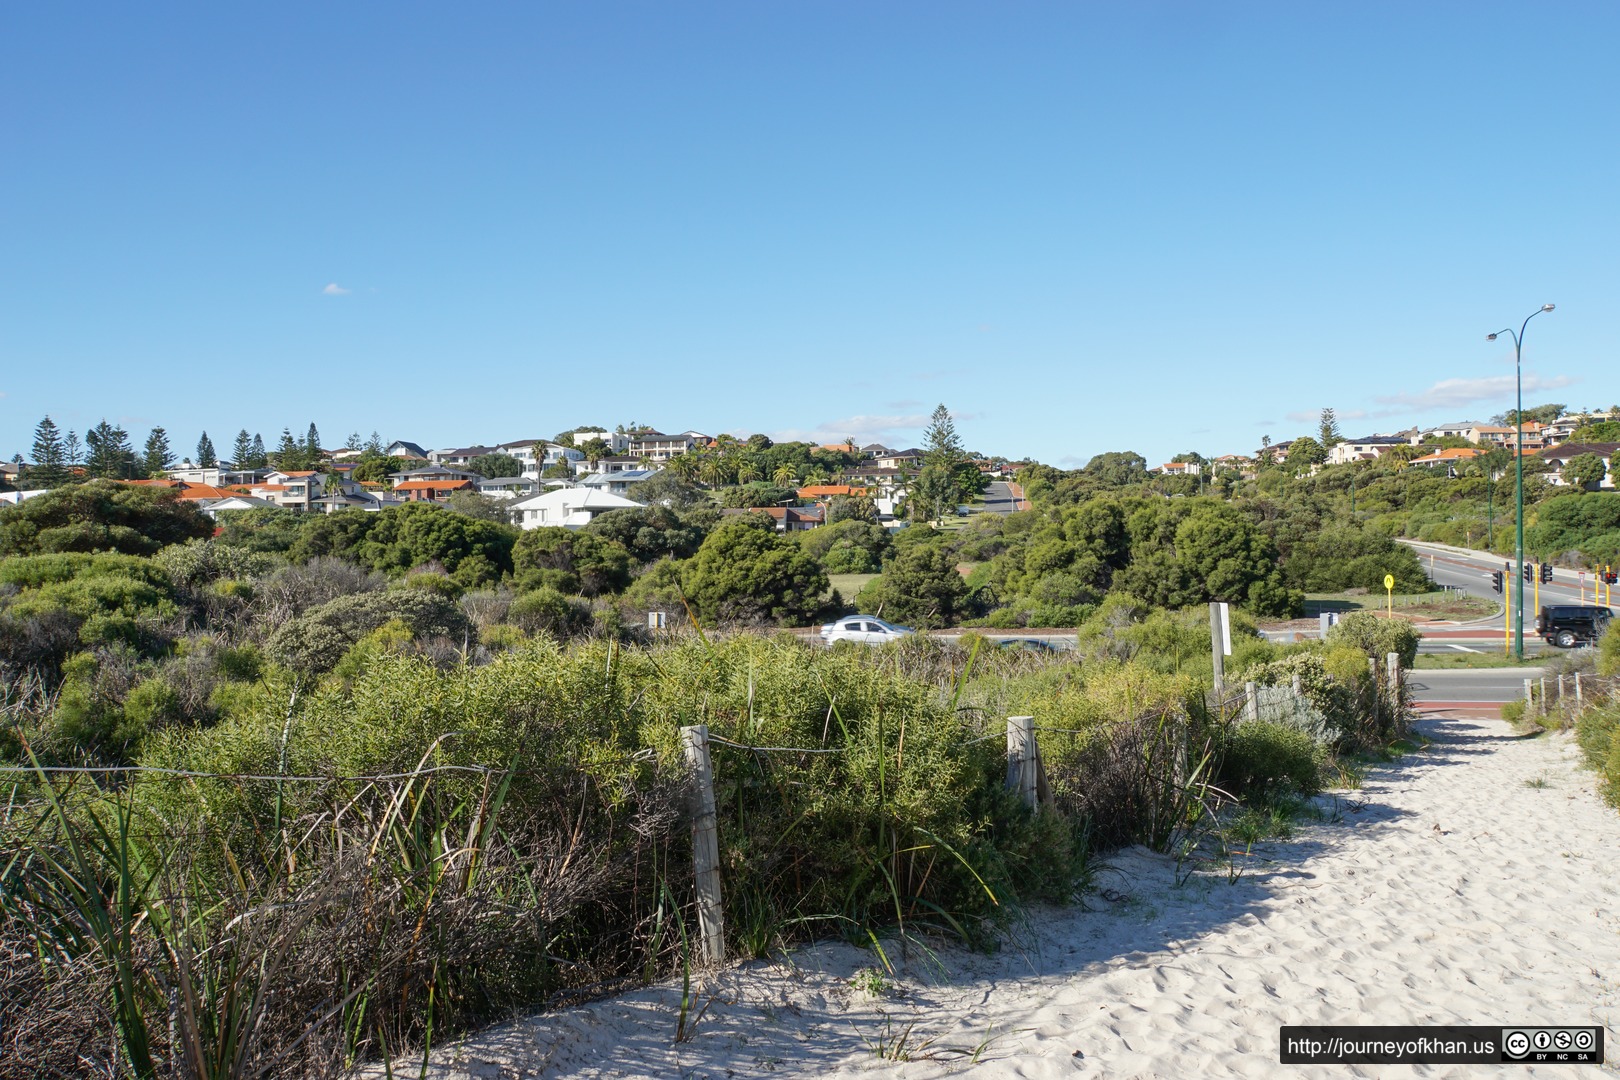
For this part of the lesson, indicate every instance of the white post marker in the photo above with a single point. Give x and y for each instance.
(1219, 647)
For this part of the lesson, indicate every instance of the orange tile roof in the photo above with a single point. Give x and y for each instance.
(269, 487)
(303, 472)
(820, 490)
(1454, 453)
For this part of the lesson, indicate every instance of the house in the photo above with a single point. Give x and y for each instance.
(1559, 456)
(550, 455)
(899, 459)
(12, 498)
(431, 490)
(874, 450)
(1450, 459)
(1368, 448)
(840, 448)
(214, 507)
(787, 518)
(1465, 429)
(402, 449)
(460, 456)
(187, 492)
(1565, 426)
(616, 463)
(1506, 437)
(433, 472)
(620, 482)
(617, 441)
(568, 507)
(358, 498)
(1179, 468)
(191, 474)
(823, 492)
(656, 446)
(507, 487)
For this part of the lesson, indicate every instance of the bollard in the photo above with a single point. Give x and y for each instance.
(705, 844)
(1217, 652)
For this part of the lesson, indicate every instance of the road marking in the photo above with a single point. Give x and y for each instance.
(1461, 648)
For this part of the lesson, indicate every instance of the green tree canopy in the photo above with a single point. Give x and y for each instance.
(746, 572)
(100, 516)
(570, 561)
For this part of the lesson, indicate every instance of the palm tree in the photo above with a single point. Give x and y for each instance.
(747, 471)
(686, 466)
(713, 470)
(816, 476)
(785, 475)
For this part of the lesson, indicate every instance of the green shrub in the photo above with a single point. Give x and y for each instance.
(1262, 760)
(1376, 636)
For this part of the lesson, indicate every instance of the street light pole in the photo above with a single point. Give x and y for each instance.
(1518, 464)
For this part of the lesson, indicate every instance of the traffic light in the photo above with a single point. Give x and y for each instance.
(1496, 581)
(1546, 573)
(1611, 577)
(1528, 571)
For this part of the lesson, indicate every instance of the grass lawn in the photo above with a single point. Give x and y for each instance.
(1493, 659)
(1435, 605)
(850, 585)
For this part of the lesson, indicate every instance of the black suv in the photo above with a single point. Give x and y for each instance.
(1567, 625)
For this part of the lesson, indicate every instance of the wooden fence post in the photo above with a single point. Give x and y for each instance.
(1023, 759)
(705, 844)
(1251, 696)
(1544, 695)
(1577, 691)
(1392, 666)
(1299, 685)
(1529, 697)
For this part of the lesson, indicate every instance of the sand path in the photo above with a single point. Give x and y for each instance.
(1473, 883)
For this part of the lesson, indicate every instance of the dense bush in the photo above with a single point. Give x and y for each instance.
(1262, 759)
(1376, 636)
(745, 572)
(100, 516)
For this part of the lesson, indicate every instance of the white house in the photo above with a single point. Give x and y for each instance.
(620, 482)
(569, 507)
(618, 442)
(1369, 448)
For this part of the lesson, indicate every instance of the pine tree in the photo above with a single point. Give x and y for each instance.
(353, 442)
(158, 456)
(947, 475)
(1328, 430)
(312, 444)
(72, 450)
(288, 455)
(374, 445)
(259, 458)
(206, 458)
(110, 453)
(49, 468)
(242, 450)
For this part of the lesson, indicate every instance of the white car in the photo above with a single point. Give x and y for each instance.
(866, 629)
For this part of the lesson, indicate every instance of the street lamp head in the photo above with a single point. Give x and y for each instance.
(1546, 307)
(1490, 337)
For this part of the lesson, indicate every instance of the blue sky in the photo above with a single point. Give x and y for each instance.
(1083, 227)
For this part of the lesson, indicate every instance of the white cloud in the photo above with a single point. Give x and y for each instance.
(334, 289)
(1455, 393)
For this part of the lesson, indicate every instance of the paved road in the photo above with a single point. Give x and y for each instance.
(1003, 497)
(1471, 572)
(1484, 688)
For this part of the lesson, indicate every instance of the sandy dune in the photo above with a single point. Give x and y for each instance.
(1447, 890)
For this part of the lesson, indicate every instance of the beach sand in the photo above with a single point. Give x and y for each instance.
(1473, 883)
